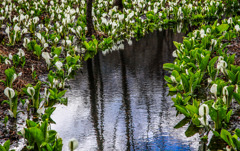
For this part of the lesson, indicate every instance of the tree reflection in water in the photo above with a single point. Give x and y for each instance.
(120, 101)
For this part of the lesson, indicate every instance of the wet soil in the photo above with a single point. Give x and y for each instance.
(9, 132)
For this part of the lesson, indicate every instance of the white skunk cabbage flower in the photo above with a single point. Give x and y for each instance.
(230, 21)
(40, 110)
(35, 20)
(228, 148)
(121, 17)
(25, 42)
(21, 53)
(222, 65)
(47, 58)
(10, 56)
(130, 42)
(121, 46)
(204, 114)
(173, 79)
(225, 90)
(214, 89)
(31, 91)
(237, 28)
(174, 54)
(69, 71)
(203, 110)
(11, 113)
(56, 40)
(72, 144)
(59, 65)
(9, 92)
(14, 77)
(7, 62)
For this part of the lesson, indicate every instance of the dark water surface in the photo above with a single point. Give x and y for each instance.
(120, 102)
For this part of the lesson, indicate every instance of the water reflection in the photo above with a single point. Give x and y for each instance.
(120, 101)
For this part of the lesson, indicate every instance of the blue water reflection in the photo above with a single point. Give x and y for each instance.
(162, 142)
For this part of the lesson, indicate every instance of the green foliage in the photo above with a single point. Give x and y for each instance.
(6, 146)
(10, 77)
(40, 138)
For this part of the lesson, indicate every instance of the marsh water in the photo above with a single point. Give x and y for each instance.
(120, 101)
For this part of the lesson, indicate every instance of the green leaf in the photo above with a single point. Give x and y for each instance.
(168, 79)
(182, 123)
(216, 133)
(192, 109)
(171, 66)
(236, 142)
(237, 97)
(237, 131)
(228, 116)
(213, 61)
(182, 110)
(186, 100)
(177, 45)
(51, 136)
(6, 145)
(31, 123)
(204, 62)
(231, 76)
(58, 51)
(43, 128)
(185, 83)
(227, 137)
(192, 130)
(187, 44)
(223, 27)
(60, 94)
(2, 148)
(37, 135)
(38, 50)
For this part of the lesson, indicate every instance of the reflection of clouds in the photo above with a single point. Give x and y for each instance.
(148, 120)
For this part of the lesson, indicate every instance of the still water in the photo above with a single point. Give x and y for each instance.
(120, 101)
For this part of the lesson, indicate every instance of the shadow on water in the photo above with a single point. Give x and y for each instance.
(121, 101)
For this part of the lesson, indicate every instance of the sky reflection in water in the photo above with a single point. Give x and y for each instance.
(120, 102)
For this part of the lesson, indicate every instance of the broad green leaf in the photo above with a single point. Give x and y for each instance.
(204, 62)
(192, 109)
(168, 79)
(213, 61)
(31, 123)
(192, 130)
(182, 123)
(51, 136)
(231, 76)
(216, 133)
(43, 128)
(171, 66)
(37, 135)
(182, 110)
(6, 145)
(223, 27)
(237, 131)
(177, 45)
(186, 100)
(60, 94)
(227, 137)
(58, 51)
(2, 148)
(237, 97)
(185, 83)
(187, 44)
(228, 116)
